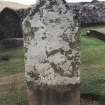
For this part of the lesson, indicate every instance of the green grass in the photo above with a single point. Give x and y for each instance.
(92, 66)
(15, 62)
(14, 99)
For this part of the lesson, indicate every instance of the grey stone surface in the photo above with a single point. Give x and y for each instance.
(52, 46)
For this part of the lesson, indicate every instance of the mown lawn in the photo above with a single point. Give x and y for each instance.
(11, 61)
(14, 98)
(92, 66)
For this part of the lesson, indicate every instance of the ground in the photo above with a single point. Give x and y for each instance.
(92, 67)
(11, 92)
(11, 61)
(12, 85)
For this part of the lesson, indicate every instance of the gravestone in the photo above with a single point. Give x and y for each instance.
(52, 56)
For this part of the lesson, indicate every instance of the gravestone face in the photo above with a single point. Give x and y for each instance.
(52, 47)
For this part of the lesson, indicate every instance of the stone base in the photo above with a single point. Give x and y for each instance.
(52, 97)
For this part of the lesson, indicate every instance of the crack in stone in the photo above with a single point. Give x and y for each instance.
(54, 52)
(59, 70)
(33, 75)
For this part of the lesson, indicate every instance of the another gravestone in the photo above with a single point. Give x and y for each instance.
(52, 56)
(10, 26)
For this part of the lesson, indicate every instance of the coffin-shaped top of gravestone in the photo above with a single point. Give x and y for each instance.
(52, 45)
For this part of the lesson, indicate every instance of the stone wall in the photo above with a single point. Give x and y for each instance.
(90, 13)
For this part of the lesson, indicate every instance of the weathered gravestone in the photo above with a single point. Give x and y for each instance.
(52, 55)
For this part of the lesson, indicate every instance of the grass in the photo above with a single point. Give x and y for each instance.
(14, 62)
(92, 66)
(14, 99)
(92, 69)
